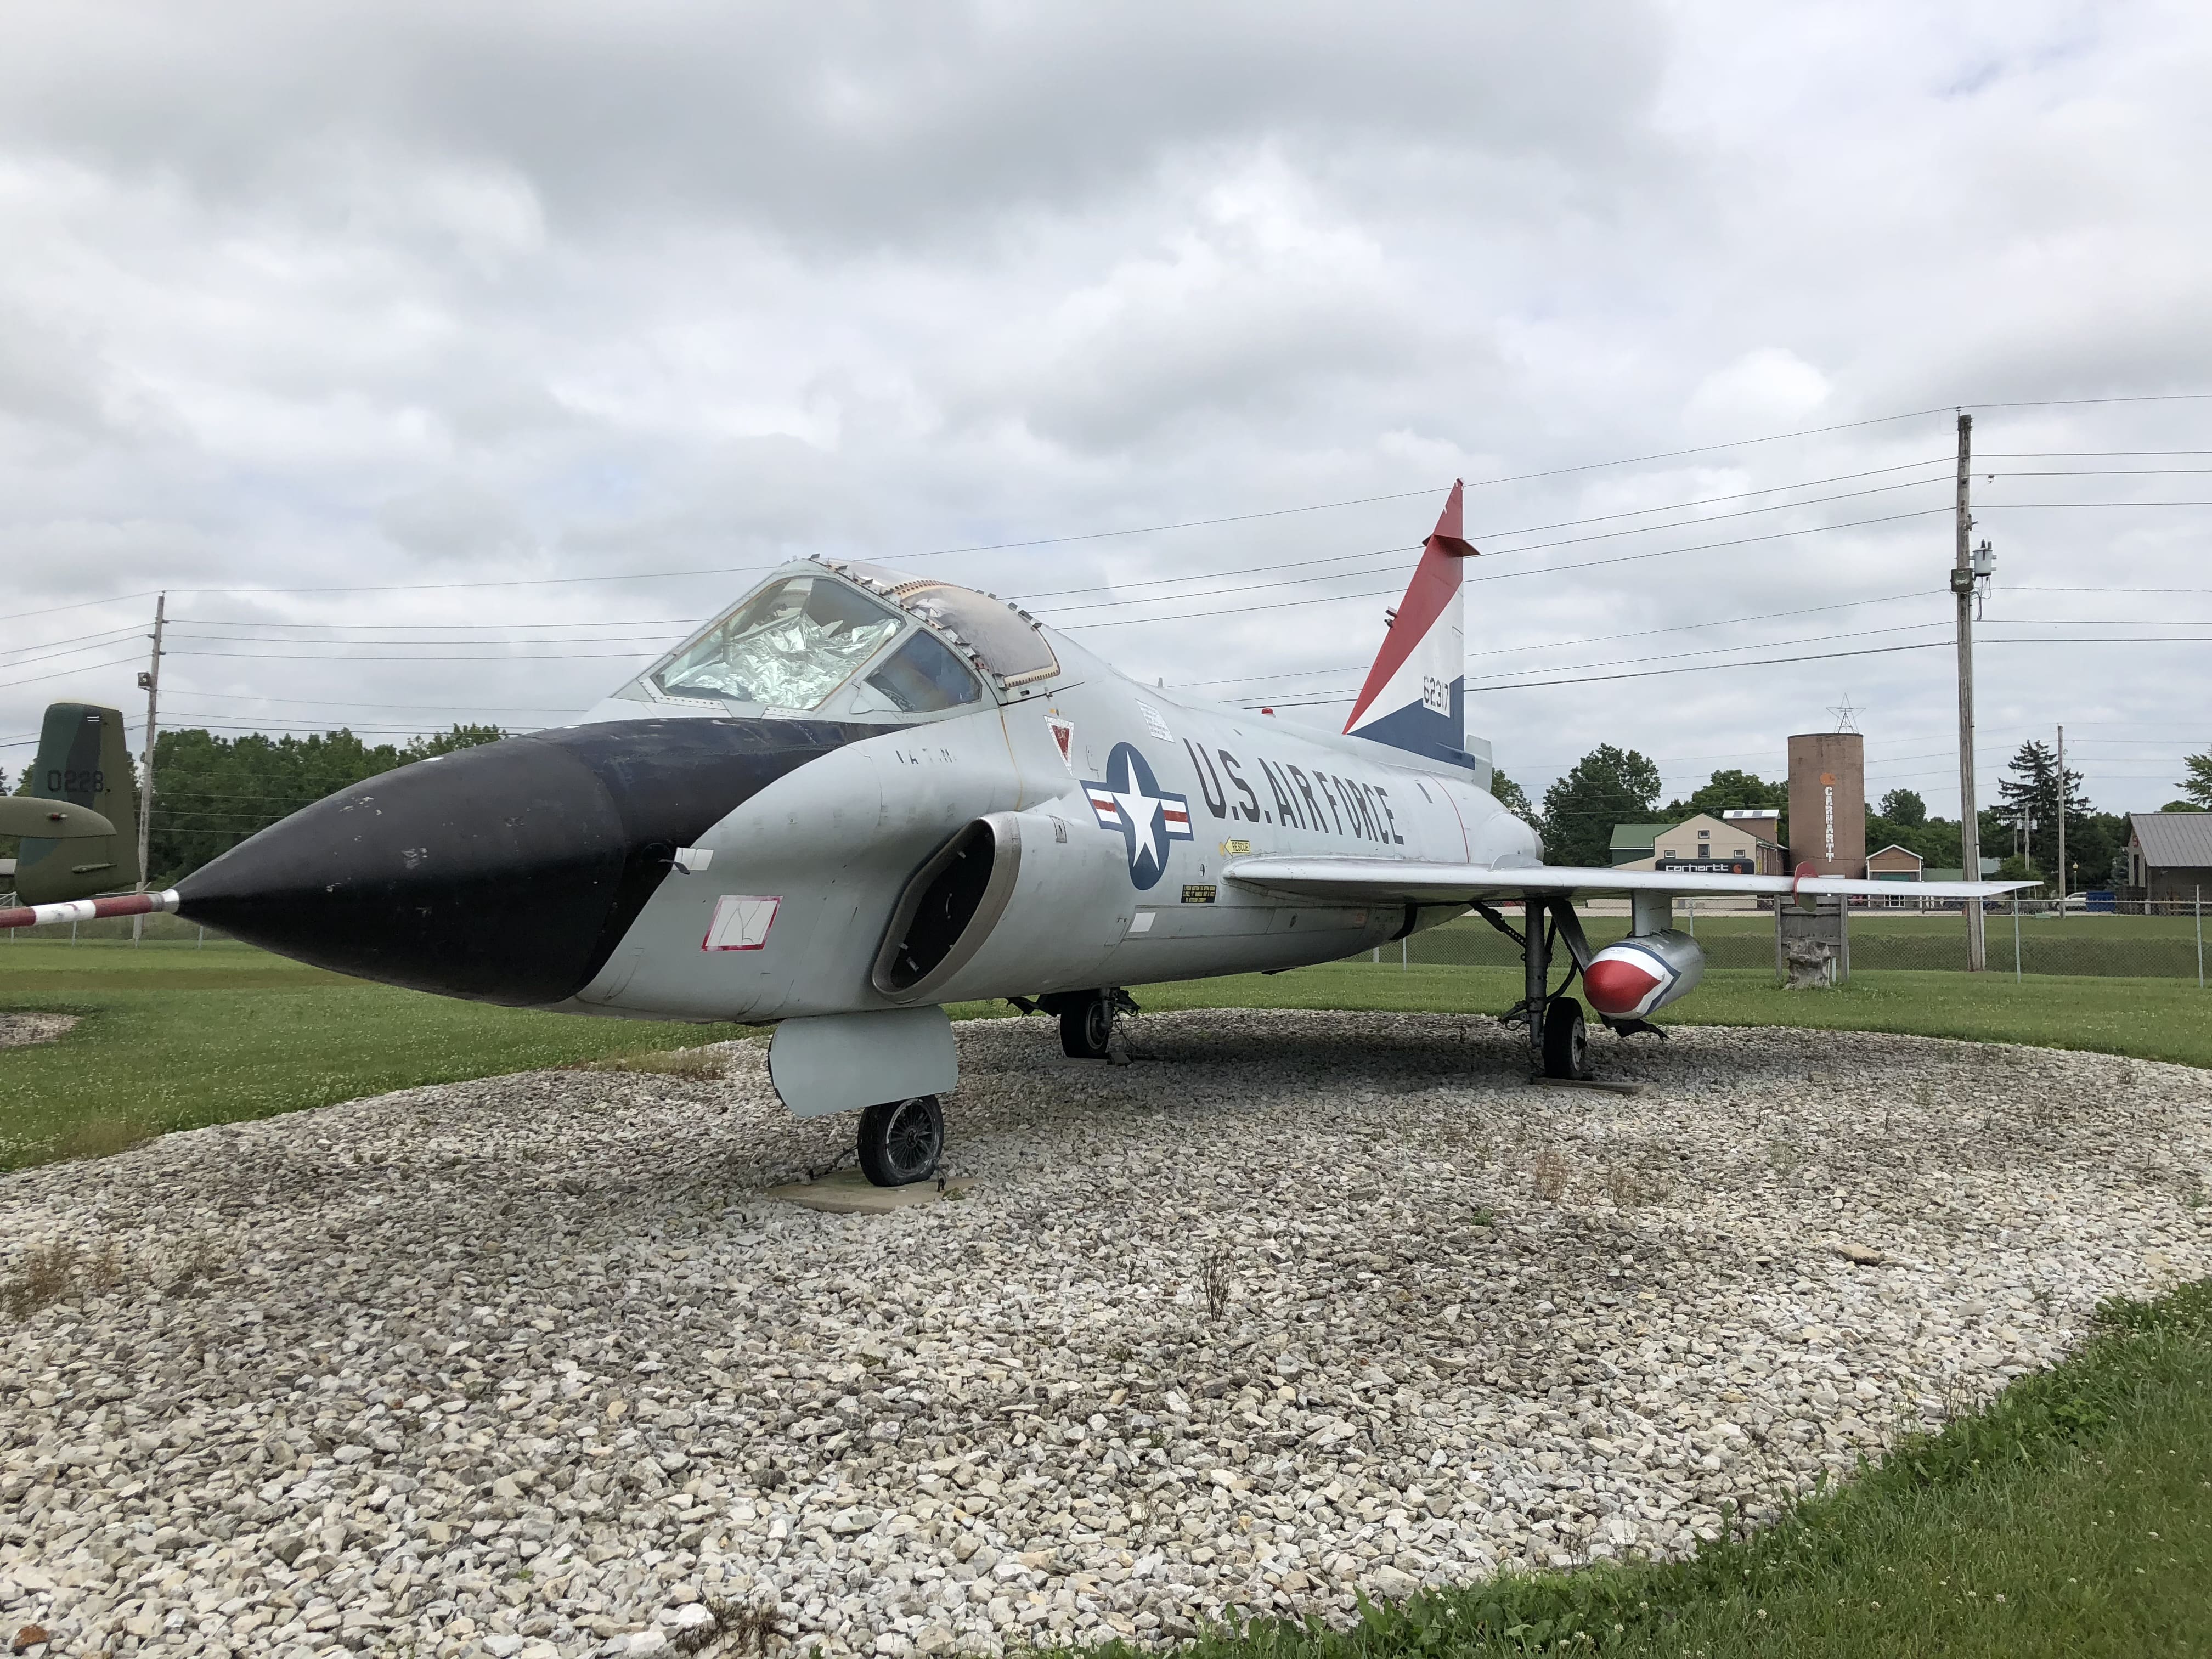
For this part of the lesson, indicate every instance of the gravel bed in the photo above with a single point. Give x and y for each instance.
(1292, 1305)
(16, 1029)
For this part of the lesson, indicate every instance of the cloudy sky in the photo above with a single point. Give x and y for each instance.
(446, 362)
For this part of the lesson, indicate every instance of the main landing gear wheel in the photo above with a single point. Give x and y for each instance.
(1566, 1039)
(901, 1141)
(1087, 1027)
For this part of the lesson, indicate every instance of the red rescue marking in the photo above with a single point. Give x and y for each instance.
(1617, 986)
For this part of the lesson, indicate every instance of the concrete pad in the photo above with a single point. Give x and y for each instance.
(847, 1192)
(1596, 1083)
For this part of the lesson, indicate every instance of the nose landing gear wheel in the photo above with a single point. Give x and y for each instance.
(1566, 1039)
(901, 1141)
(1087, 1028)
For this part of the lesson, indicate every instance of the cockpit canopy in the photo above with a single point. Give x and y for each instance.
(853, 640)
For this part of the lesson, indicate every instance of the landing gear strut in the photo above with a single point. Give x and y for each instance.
(1558, 1035)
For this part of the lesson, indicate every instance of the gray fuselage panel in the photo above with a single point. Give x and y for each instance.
(1128, 801)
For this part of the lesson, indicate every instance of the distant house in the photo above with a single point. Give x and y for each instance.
(1895, 863)
(1764, 822)
(1899, 864)
(1632, 842)
(2169, 855)
(1705, 843)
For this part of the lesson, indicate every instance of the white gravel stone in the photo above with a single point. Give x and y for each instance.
(1293, 1306)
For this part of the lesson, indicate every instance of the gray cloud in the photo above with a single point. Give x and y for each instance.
(398, 294)
(858, 124)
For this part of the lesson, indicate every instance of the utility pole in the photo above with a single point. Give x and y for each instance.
(151, 683)
(2062, 823)
(1962, 588)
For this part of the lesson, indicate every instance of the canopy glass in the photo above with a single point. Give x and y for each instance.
(788, 646)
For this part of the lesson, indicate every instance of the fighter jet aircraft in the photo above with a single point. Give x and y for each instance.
(859, 796)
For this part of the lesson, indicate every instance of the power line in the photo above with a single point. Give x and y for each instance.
(426, 708)
(1493, 684)
(325, 656)
(77, 605)
(389, 627)
(1715, 518)
(2071, 403)
(1178, 616)
(1770, 662)
(1591, 639)
(1711, 518)
(1055, 541)
(1510, 575)
(658, 642)
(59, 673)
(1163, 598)
(72, 639)
(25, 661)
(1695, 668)
(1051, 541)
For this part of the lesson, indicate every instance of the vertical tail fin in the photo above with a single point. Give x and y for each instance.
(1415, 697)
(82, 760)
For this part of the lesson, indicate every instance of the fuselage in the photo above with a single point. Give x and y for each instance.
(856, 791)
(835, 841)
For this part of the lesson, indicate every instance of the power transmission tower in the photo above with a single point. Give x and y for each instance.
(151, 681)
(1962, 587)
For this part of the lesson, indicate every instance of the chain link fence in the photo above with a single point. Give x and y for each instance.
(2164, 939)
(2032, 938)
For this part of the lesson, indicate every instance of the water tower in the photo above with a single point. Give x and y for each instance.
(1827, 802)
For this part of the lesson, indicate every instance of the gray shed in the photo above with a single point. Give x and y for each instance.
(2170, 854)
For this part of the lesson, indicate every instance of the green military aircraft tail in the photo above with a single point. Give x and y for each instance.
(76, 815)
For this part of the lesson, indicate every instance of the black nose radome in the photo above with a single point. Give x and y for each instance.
(503, 874)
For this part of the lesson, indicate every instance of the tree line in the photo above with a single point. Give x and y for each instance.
(211, 792)
(215, 792)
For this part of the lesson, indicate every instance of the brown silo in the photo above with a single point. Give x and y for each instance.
(1827, 802)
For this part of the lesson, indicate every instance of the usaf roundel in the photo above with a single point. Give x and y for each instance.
(1148, 817)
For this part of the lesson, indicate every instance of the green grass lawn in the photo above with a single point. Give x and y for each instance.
(2073, 1517)
(175, 1037)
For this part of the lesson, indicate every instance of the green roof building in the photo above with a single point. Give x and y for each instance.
(1632, 842)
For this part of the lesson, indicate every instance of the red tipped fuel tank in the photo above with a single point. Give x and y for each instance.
(1630, 980)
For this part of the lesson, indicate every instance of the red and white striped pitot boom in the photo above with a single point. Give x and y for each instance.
(91, 909)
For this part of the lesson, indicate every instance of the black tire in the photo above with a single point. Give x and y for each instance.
(901, 1141)
(1566, 1039)
(1087, 1027)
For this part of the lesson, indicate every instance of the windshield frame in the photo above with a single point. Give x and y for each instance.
(648, 686)
(915, 595)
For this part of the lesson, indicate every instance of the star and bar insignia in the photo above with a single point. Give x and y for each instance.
(1130, 799)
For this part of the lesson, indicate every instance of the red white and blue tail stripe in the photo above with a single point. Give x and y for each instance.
(1415, 697)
